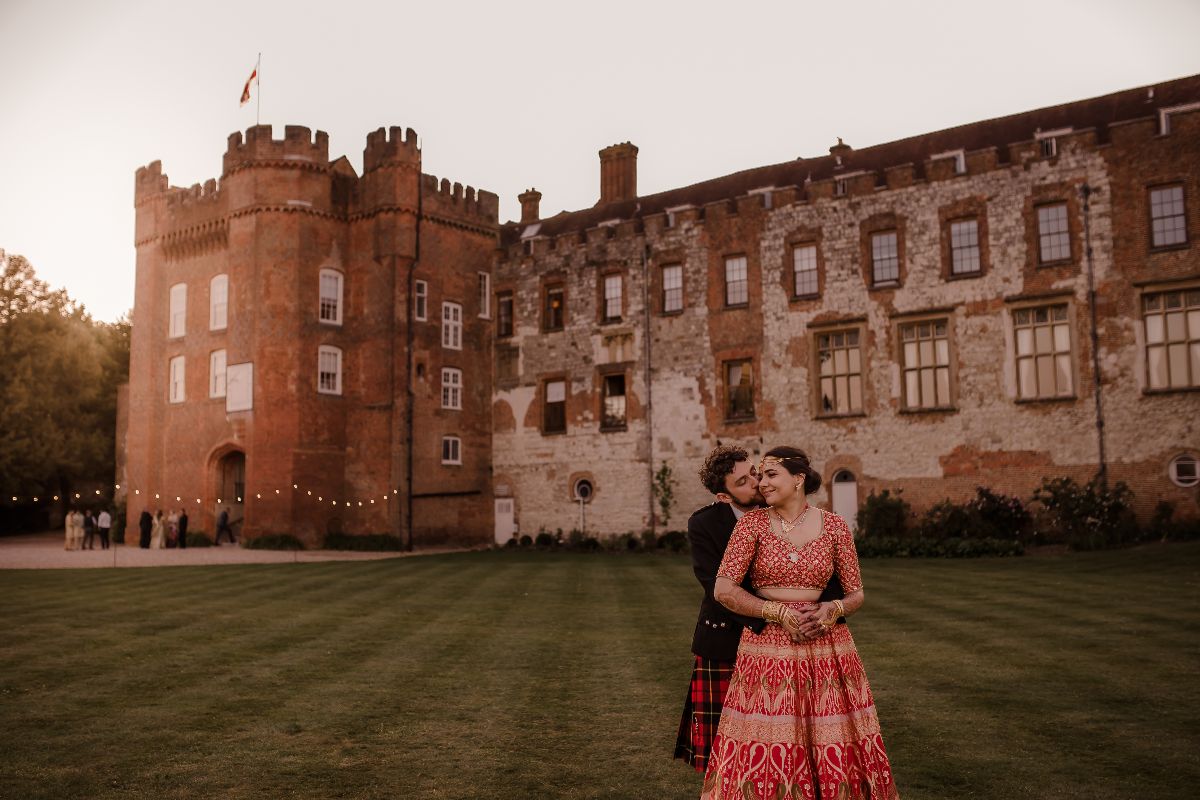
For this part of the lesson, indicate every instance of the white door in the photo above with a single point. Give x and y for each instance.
(845, 496)
(504, 519)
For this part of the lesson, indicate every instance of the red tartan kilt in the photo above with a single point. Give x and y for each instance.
(702, 711)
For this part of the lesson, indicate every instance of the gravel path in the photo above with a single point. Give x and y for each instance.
(45, 551)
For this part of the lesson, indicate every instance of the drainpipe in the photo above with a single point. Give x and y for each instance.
(408, 357)
(649, 371)
(1086, 192)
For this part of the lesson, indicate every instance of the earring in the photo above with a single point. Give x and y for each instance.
(797, 486)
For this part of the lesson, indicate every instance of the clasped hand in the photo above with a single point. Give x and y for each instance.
(807, 622)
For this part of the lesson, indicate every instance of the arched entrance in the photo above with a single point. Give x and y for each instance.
(845, 496)
(231, 489)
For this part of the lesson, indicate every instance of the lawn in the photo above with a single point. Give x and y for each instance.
(536, 675)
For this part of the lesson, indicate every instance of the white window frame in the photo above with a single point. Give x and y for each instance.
(329, 306)
(452, 325)
(1188, 481)
(965, 243)
(452, 386)
(325, 352)
(177, 321)
(485, 295)
(842, 374)
(614, 288)
(176, 387)
(1172, 212)
(1171, 328)
(672, 288)
(420, 301)
(926, 374)
(737, 273)
(216, 373)
(1054, 232)
(1056, 349)
(804, 263)
(451, 451)
(218, 302)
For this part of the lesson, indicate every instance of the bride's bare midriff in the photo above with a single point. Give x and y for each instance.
(788, 595)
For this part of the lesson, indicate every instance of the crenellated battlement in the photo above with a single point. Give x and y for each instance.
(391, 146)
(297, 145)
(149, 181)
(193, 195)
(442, 198)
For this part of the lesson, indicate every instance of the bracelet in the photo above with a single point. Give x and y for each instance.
(841, 609)
(772, 611)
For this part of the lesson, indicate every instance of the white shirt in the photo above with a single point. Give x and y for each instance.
(104, 520)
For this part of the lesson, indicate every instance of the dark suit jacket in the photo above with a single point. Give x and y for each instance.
(718, 630)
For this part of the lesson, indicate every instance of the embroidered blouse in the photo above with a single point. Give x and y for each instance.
(774, 561)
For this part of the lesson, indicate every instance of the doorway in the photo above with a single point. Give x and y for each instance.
(845, 496)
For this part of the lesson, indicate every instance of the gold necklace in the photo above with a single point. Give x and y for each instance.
(788, 526)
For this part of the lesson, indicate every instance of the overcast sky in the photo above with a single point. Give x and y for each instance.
(509, 95)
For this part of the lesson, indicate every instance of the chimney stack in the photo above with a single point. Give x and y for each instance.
(531, 200)
(618, 173)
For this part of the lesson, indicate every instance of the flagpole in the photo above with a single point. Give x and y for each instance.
(258, 101)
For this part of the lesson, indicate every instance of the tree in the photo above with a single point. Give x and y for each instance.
(59, 388)
(664, 491)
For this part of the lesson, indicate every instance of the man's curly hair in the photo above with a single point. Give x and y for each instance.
(719, 464)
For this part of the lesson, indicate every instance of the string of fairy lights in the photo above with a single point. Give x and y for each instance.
(87, 497)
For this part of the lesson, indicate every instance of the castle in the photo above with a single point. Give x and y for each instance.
(992, 304)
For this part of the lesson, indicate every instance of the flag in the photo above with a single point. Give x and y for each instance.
(246, 89)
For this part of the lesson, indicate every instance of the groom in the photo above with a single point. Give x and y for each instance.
(729, 475)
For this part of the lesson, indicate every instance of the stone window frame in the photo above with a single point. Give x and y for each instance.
(177, 311)
(662, 290)
(329, 306)
(967, 209)
(887, 222)
(217, 379)
(856, 325)
(603, 373)
(543, 393)
(218, 310)
(899, 323)
(1187, 239)
(1185, 288)
(602, 296)
(506, 296)
(549, 286)
(177, 379)
(727, 397)
(725, 260)
(329, 351)
(452, 329)
(451, 451)
(452, 388)
(421, 301)
(1012, 347)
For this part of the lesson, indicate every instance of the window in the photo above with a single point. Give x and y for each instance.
(1168, 221)
(554, 407)
(1049, 147)
(804, 271)
(504, 314)
(555, 308)
(329, 370)
(452, 326)
(420, 301)
(451, 450)
(218, 303)
(612, 298)
(964, 247)
(485, 295)
(672, 288)
(330, 304)
(1043, 353)
(925, 360)
(452, 388)
(885, 258)
(613, 393)
(1054, 236)
(1184, 471)
(178, 319)
(175, 389)
(216, 373)
(1172, 322)
(739, 390)
(736, 284)
(839, 188)
(840, 372)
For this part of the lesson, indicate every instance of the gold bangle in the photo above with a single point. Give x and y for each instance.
(772, 610)
(841, 609)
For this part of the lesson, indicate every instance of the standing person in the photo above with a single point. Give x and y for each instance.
(89, 530)
(799, 719)
(145, 528)
(69, 530)
(103, 524)
(158, 531)
(183, 525)
(172, 528)
(223, 526)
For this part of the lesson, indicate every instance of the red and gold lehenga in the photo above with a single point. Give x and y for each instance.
(799, 721)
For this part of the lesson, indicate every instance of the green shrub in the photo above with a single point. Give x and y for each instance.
(271, 541)
(999, 515)
(884, 515)
(946, 520)
(511, 544)
(544, 541)
(363, 542)
(1087, 517)
(673, 541)
(526, 540)
(198, 539)
(1168, 529)
(921, 547)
